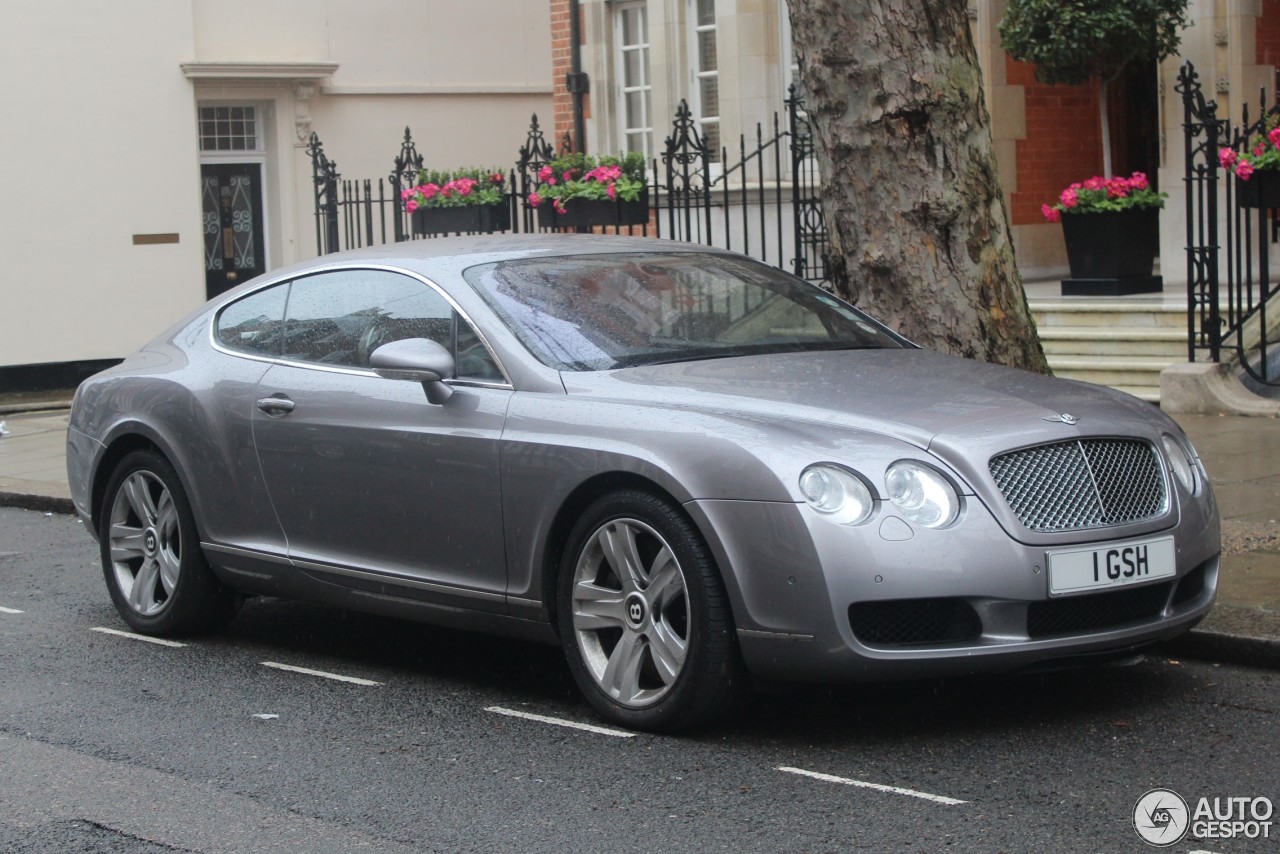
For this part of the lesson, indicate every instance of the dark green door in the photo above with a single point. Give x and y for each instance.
(231, 195)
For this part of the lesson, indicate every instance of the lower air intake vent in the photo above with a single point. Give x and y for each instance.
(1097, 611)
(912, 622)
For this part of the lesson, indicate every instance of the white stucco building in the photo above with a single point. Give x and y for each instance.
(143, 132)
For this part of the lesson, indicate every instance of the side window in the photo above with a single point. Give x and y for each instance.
(255, 324)
(340, 318)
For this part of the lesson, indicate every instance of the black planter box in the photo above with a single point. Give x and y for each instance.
(591, 212)
(1262, 190)
(1112, 253)
(469, 219)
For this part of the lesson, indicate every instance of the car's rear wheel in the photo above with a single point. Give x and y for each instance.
(644, 619)
(155, 570)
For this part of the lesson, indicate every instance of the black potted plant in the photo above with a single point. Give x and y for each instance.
(1112, 230)
(462, 201)
(576, 190)
(1111, 225)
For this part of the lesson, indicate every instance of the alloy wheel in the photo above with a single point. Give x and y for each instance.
(630, 612)
(145, 542)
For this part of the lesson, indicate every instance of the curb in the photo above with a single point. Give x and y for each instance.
(41, 503)
(1223, 648)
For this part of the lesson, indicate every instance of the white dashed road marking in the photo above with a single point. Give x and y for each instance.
(529, 716)
(306, 671)
(9, 611)
(879, 787)
(132, 636)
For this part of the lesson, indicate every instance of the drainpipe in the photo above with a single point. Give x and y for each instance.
(576, 80)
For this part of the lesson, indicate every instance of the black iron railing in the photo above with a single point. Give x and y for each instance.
(765, 204)
(1229, 245)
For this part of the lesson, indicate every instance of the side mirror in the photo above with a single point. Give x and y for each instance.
(418, 360)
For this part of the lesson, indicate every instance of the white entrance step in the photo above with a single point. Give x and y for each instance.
(1124, 344)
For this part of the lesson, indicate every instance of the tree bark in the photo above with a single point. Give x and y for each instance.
(918, 224)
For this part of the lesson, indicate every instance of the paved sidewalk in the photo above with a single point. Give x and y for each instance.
(1242, 456)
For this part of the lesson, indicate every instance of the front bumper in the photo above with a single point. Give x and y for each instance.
(818, 601)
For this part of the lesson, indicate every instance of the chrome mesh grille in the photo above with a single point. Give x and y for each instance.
(1090, 483)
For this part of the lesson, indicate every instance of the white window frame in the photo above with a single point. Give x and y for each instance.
(621, 49)
(698, 74)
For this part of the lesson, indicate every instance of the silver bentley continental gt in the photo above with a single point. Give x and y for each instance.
(688, 469)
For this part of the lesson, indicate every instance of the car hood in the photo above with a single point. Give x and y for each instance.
(934, 401)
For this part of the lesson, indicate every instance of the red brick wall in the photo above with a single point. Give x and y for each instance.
(1268, 34)
(1063, 142)
(562, 64)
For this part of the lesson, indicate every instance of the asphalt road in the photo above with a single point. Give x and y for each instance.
(112, 744)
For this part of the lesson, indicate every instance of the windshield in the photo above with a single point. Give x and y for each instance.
(598, 312)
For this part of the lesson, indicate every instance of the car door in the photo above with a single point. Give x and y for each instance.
(238, 522)
(374, 485)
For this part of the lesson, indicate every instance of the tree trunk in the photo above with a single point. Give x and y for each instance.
(918, 225)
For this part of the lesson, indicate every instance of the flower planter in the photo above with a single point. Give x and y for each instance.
(1262, 190)
(1112, 253)
(591, 212)
(468, 219)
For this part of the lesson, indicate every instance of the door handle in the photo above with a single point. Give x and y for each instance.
(276, 406)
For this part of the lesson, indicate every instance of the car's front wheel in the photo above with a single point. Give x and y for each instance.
(155, 570)
(644, 619)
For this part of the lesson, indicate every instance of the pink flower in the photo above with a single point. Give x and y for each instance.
(534, 200)
(405, 194)
(1077, 186)
(496, 178)
(461, 186)
(1138, 181)
(1117, 188)
(1226, 156)
(1274, 136)
(1094, 183)
(429, 190)
(411, 205)
(545, 173)
(612, 190)
(1259, 149)
(1051, 214)
(1068, 198)
(1243, 170)
(558, 205)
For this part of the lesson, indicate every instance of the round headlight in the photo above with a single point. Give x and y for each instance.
(835, 492)
(1180, 461)
(921, 494)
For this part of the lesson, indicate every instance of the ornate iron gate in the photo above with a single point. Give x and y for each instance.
(1229, 240)
(765, 205)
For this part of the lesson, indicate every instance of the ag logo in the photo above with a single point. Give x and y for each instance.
(1161, 817)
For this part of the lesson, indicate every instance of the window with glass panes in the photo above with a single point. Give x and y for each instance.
(229, 128)
(706, 73)
(631, 21)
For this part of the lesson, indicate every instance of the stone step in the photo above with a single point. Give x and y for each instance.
(1153, 342)
(1113, 315)
(1115, 371)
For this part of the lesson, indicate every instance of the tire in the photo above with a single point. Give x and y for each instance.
(644, 619)
(155, 570)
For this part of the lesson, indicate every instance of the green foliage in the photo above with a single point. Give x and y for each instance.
(1074, 41)
(455, 188)
(579, 176)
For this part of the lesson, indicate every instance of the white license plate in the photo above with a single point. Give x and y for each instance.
(1115, 565)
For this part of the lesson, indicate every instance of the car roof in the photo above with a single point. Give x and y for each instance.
(439, 253)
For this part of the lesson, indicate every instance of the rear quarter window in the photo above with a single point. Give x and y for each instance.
(255, 323)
